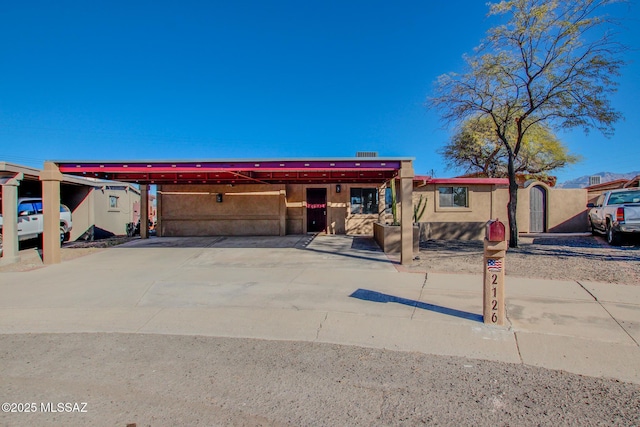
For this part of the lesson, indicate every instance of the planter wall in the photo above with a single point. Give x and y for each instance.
(389, 237)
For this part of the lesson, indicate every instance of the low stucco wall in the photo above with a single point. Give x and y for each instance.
(452, 230)
(389, 237)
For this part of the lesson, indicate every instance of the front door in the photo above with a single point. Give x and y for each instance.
(316, 210)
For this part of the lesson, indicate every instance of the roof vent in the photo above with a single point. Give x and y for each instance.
(366, 154)
(594, 180)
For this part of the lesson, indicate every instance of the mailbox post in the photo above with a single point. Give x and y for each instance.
(495, 249)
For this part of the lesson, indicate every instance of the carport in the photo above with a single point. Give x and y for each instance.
(274, 174)
(19, 181)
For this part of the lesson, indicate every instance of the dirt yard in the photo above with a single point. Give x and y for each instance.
(577, 258)
(31, 254)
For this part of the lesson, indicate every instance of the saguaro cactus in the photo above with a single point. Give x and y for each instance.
(394, 201)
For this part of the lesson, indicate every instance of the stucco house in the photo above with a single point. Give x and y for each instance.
(298, 196)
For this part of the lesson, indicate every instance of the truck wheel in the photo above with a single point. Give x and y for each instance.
(593, 228)
(62, 234)
(613, 237)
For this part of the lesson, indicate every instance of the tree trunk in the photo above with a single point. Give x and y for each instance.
(513, 203)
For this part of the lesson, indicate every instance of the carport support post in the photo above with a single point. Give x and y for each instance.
(158, 210)
(51, 178)
(144, 211)
(283, 212)
(10, 249)
(406, 214)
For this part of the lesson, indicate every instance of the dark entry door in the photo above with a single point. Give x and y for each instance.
(538, 208)
(316, 210)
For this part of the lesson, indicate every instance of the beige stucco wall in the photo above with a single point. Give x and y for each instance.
(485, 202)
(262, 210)
(256, 209)
(90, 207)
(336, 208)
(114, 220)
(566, 210)
(192, 210)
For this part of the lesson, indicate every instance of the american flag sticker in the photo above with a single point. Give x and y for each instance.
(494, 264)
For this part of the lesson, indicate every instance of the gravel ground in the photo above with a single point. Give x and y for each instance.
(155, 380)
(577, 258)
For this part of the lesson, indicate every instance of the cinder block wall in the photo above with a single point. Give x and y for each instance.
(192, 210)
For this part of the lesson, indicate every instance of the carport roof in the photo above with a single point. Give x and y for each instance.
(240, 171)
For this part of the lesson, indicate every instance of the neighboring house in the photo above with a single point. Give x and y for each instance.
(99, 208)
(102, 209)
(594, 191)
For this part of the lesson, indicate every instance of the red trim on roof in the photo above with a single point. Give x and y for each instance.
(463, 181)
(606, 184)
(354, 170)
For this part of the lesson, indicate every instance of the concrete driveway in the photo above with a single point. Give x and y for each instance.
(333, 289)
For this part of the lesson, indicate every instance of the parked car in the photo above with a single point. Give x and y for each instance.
(30, 220)
(616, 213)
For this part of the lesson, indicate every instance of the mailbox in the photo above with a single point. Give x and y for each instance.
(495, 231)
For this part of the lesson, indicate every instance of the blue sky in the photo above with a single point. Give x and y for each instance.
(253, 79)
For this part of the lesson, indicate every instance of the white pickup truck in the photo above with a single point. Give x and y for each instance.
(30, 220)
(616, 213)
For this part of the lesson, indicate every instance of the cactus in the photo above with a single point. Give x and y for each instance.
(394, 209)
(419, 208)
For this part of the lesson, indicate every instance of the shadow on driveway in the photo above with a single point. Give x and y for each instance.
(367, 295)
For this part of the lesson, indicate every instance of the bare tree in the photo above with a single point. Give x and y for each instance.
(552, 62)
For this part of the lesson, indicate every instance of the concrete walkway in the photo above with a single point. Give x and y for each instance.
(333, 289)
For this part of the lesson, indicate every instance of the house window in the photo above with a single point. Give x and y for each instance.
(113, 202)
(364, 200)
(453, 197)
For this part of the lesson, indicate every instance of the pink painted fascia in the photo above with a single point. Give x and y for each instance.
(462, 181)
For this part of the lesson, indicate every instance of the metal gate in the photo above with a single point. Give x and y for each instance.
(538, 209)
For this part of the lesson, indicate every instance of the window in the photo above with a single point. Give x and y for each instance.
(26, 208)
(113, 202)
(624, 197)
(364, 200)
(453, 197)
(38, 206)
